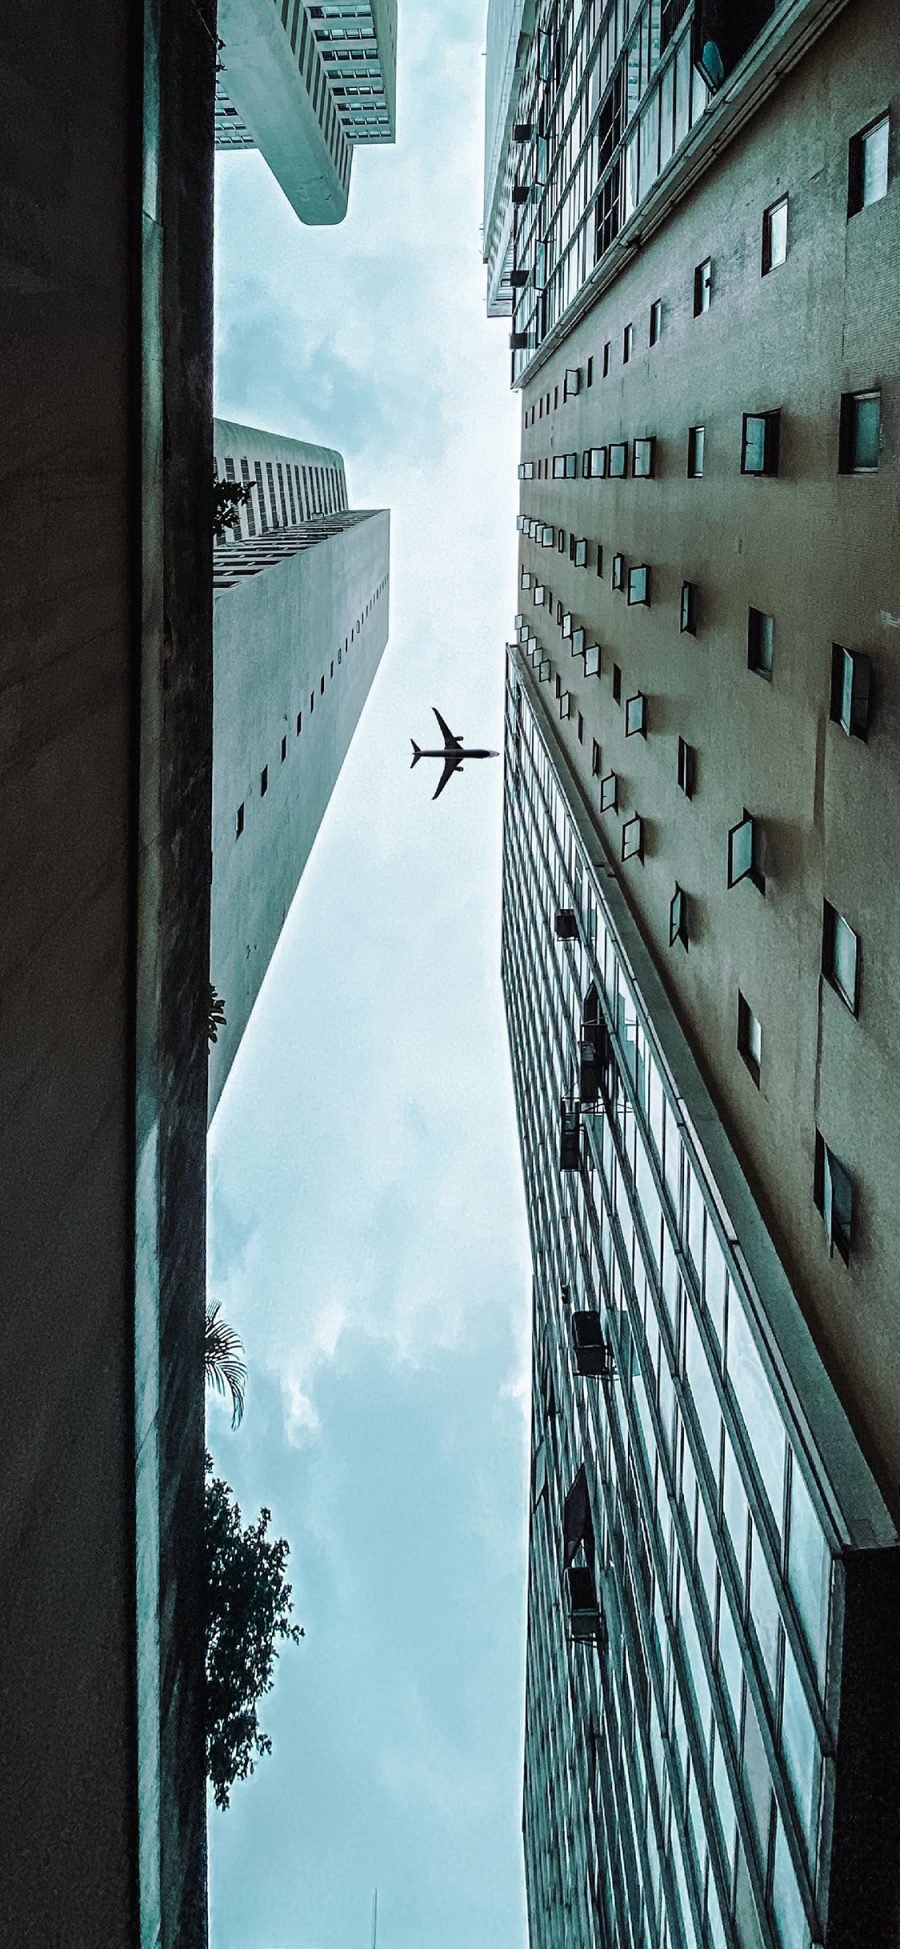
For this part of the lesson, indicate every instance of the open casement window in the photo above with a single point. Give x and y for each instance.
(850, 690)
(632, 839)
(678, 918)
(596, 759)
(868, 165)
(774, 235)
(703, 286)
(540, 595)
(833, 1194)
(545, 670)
(749, 1038)
(538, 1473)
(526, 470)
(696, 443)
(643, 458)
(580, 553)
(639, 585)
(860, 441)
(591, 1354)
(840, 957)
(592, 660)
(636, 716)
(618, 572)
(565, 704)
(566, 624)
(596, 458)
(569, 1134)
(627, 343)
(760, 642)
(578, 642)
(760, 443)
(689, 608)
(525, 579)
(609, 792)
(617, 461)
(745, 852)
(655, 321)
(572, 382)
(686, 767)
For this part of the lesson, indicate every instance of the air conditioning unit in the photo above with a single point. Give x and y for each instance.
(593, 1357)
(592, 1057)
(521, 192)
(521, 131)
(518, 278)
(584, 1610)
(565, 924)
(518, 342)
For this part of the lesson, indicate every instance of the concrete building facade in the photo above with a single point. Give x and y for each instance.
(305, 85)
(708, 598)
(300, 622)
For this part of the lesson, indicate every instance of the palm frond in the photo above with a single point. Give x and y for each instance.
(225, 1369)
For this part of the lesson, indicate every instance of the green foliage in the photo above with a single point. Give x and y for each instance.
(225, 1370)
(217, 1018)
(249, 1609)
(228, 496)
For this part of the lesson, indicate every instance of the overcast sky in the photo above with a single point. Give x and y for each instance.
(366, 1217)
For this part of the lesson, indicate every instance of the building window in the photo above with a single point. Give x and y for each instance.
(263, 781)
(565, 466)
(642, 458)
(606, 360)
(557, 685)
(596, 759)
(525, 579)
(686, 758)
(627, 343)
(860, 442)
(555, 398)
(592, 660)
(572, 382)
(540, 595)
(688, 608)
(590, 372)
(774, 235)
(239, 822)
(636, 716)
(600, 559)
(547, 537)
(696, 441)
(565, 701)
(580, 553)
(561, 542)
(745, 852)
(299, 722)
(565, 622)
(760, 642)
(833, 1197)
(283, 749)
(617, 463)
(609, 792)
(618, 572)
(632, 839)
(596, 463)
(655, 321)
(840, 957)
(678, 918)
(868, 173)
(312, 701)
(749, 1038)
(322, 686)
(639, 585)
(578, 642)
(580, 728)
(703, 286)
(526, 470)
(850, 690)
(760, 443)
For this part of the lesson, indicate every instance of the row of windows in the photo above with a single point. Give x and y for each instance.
(356, 630)
(316, 83)
(319, 490)
(860, 442)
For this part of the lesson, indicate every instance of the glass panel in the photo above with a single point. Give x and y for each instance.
(757, 1405)
(703, 1392)
(757, 1780)
(734, 1509)
(764, 1612)
(787, 1904)
(695, 1217)
(809, 1569)
(714, 1281)
(875, 163)
(731, 1668)
(724, 1806)
(799, 1742)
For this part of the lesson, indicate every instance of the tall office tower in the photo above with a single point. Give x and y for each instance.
(697, 236)
(306, 85)
(301, 594)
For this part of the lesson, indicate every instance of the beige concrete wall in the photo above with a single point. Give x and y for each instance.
(819, 552)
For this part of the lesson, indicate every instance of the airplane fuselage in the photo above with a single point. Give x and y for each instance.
(453, 751)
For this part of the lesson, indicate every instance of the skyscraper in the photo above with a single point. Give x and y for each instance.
(690, 215)
(306, 85)
(301, 595)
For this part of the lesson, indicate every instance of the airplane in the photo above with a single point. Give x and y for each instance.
(452, 753)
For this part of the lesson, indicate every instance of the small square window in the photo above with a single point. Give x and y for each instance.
(616, 684)
(263, 781)
(596, 759)
(749, 1038)
(617, 464)
(696, 442)
(774, 235)
(618, 572)
(655, 321)
(760, 443)
(609, 792)
(643, 458)
(678, 918)
(703, 286)
(606, 360)
(840, 956)
(688, 608)
(283, 749)
(745, 853)
(850, 690)
(592, 660)
(572, 382)
(636, 716)
(239, 822)
(868, 172)
(686, 768)
(632, 839)
(833, 1197)
(860, 442)
(639, 585)
(760, 642)
(627, 343)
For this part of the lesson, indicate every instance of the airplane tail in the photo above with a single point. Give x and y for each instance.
(416, 753)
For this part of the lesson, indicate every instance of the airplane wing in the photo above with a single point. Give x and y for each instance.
(445, 731)
(450, 766)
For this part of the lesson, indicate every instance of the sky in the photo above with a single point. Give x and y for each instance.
(367, 1233)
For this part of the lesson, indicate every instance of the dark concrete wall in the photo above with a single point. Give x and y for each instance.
(818, 551)
(82, 757)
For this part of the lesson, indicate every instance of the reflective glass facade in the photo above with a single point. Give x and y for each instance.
(698, 1658)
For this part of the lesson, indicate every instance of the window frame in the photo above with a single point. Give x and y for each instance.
(618, 573)
(833, 1196)
(768, 261)
(696, 451)
(686, 769)
(753, 870)
(628, 343)
(851, 713)
(636, 715)
(688, 609)
(760, 643)
(678, 917)
(832, 920)
(703, 284)
(771, 443)
(632, 842)
(644, 441)
(849, 426)
(656, 321)
(614, 471)
(749, 1033)
(609, 792)
(641, 601)
(856, 165)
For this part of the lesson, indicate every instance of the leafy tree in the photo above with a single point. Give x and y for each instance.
(249, 1608)
(217, 1019)
(225, 1370)
(228, 496)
